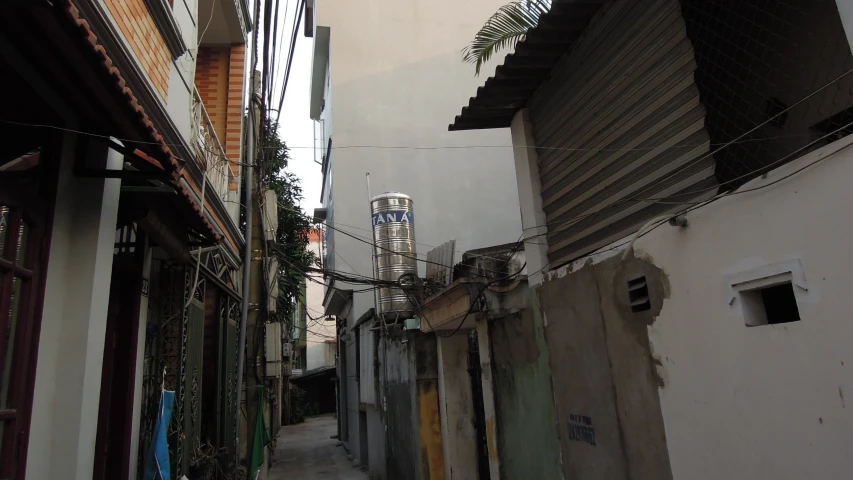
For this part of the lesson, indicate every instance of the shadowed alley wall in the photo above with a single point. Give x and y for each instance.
(526, 420)
(409, 398)
(605, 388)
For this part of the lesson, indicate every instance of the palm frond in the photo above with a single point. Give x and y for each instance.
(503, 30)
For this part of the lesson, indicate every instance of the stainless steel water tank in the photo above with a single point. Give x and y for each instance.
(394, 253)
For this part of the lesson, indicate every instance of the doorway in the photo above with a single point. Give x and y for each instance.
(118, 374)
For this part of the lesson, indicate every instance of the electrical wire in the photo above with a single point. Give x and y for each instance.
(331, 225)
(752, 173)
(368, 242)
(297, 20)
(476, 299)
(405, 147)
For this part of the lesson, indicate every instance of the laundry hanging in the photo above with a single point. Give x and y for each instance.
(157, 462)
(261, 438)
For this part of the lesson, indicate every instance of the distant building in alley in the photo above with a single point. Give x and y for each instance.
(120, 248)
(385, 78)
(314, 331)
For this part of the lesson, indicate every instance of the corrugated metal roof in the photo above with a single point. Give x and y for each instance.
(515, 81)
(620, 129)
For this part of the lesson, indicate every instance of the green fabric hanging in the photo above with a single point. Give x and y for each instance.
(261, 438)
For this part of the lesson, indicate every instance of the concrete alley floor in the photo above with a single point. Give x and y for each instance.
(305, 452)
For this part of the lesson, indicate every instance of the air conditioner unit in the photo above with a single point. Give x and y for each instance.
(273, 341)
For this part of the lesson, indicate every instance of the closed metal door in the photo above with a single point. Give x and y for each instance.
(618, 123)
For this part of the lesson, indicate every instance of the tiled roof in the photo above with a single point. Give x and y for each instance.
(171, 163)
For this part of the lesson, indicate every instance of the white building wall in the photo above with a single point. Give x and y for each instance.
(182, 70)
(397, 79)
(767, 401)
(317, 331)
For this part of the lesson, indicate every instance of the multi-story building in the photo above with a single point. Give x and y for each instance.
(388, 74)
(119, 244)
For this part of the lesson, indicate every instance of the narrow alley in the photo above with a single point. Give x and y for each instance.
(307, 451)
(426, 239)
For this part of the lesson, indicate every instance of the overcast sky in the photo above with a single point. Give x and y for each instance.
(296, 127)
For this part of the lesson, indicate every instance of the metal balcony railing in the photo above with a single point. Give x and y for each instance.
(209, 151)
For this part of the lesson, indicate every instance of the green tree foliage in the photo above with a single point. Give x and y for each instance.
(293, 226)
(503, 30)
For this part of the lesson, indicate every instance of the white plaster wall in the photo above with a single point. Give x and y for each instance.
(767, 401)
(182, 70)
(318, 331)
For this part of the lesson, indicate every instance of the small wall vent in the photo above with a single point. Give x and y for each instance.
(769, 294)
(770, 304)
(638, 295)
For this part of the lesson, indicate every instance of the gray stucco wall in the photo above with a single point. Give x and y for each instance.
(605, 386)
(526, 419)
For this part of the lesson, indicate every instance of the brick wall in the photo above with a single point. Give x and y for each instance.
(138, 27)
(219, 79)
(211, 79)
(234, 121)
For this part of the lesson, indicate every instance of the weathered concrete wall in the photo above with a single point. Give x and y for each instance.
(408, 397)
(605, 386)
(429, 419)
(376, 440)
(527, 423)
(399, 405)
(455, 400)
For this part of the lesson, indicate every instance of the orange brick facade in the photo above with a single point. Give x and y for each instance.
(219, 79)
(211, 80)
(138, 27)
(234, 119)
